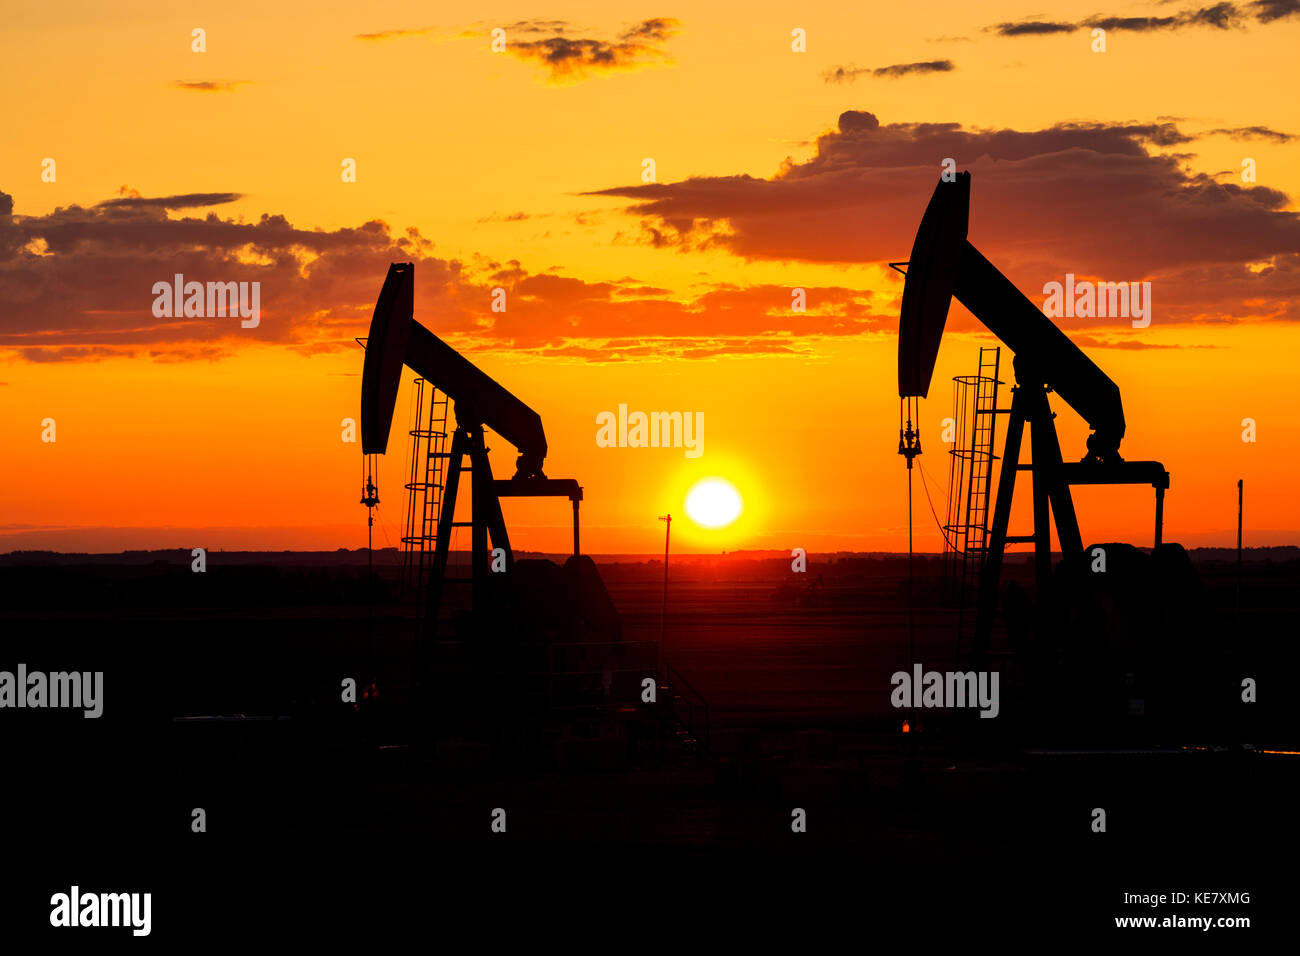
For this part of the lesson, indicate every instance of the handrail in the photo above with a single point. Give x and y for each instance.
(552, 670)
(676, 675)
(676, 678)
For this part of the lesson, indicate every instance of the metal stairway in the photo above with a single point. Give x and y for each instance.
(424, 489)
(686, 710)
(980, 480)
(971, 480)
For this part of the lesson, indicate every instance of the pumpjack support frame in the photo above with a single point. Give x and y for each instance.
(487, 519)
(1052, 478)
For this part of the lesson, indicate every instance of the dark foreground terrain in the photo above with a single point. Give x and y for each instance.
(222, 692)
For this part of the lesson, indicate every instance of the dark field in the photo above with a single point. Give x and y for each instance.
(356, 810)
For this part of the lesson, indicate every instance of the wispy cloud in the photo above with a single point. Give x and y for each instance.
(209, 86)
(1032, 28)
(1221, 16)
(847, 74)
(1253, 133)
(183, 201)
(394, 34)
(569, 59)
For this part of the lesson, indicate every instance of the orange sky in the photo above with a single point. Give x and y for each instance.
(523, 170)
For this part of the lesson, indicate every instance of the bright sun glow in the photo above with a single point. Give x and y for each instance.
(713, 503)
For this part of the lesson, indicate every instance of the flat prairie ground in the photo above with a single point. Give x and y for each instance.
(339, 809)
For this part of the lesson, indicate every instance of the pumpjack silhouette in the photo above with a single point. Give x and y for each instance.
(1092, 643)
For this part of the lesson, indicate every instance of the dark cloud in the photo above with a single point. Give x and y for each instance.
(570, 59)
(658, 28)
(187, 201)
(1032, 28)
(1094, 199)
(76, 285)
(1138, 24)
(847, 74)
(1252, 132)
(1266, 11)
(1222, 16)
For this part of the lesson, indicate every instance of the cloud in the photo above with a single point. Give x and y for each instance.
(186, 201)
(1085, 341)
(847, 74)
(1031, 28)
(209, 86)
(658, 29)
(1253, 132)
(1221, 16)
(536, 25)
(572, 59)
(566, 57)
(76, 285)
(77, 282)
(1266, 11)
(1104, 200)
(394, 34)
(511, 217)
(1135, 24)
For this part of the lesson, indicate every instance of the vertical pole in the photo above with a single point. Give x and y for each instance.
(1237, 601)
(1160, 516)
(663, 615)
(480, 508)
(909, 446)
(1042, 481)
(370, 498)
(1058, 489)
(911, 629)
(576, 551)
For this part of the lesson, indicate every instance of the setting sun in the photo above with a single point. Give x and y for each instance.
(713, 503)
